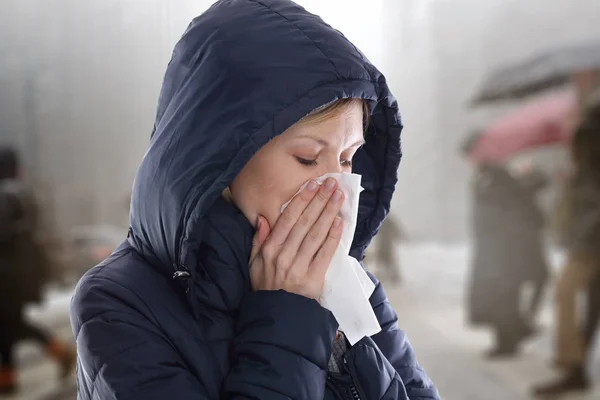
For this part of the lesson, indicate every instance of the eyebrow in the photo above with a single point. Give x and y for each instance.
(325, 143)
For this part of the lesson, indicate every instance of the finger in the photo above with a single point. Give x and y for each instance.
(290, 215)
(306, 221)
(262, 232)
(320, 230)
(320, 264)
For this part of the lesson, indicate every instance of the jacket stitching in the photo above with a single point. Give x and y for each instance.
(301, 31)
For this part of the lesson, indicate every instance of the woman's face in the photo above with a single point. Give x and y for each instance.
(305, 150)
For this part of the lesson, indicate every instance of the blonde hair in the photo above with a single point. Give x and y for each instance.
(335, 108)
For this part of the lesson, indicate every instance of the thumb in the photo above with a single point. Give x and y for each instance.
(262, 232)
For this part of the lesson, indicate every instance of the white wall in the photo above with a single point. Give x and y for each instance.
(412, 64)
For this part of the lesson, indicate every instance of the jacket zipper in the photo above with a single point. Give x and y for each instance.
(354, 389)
(342, 391)
(334, 387)
(355, 394)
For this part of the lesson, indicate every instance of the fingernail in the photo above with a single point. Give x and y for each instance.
(258, 224)
(336, 222)
(337, 195)
(330, 184)
(312, 186)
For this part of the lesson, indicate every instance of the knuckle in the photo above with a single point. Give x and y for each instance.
(330, 245)
(313, 236)
(332, 239)
(295, 277)
(326, 252)
(305, 196)
(268, 252)
(283, 261)
(336, 205)
(287, 216)
(322, 196)
(304, 220)
(331, 211)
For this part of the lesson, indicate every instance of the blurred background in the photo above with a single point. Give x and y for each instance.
(491, 94)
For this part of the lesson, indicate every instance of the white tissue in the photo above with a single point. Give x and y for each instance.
(347, 286)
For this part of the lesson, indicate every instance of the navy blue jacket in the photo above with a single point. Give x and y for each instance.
(171, 314)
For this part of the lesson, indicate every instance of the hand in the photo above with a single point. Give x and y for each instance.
(295, 255)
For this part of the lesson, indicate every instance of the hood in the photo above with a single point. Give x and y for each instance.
(242, 73)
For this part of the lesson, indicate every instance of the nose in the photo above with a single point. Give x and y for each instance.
(332, 167)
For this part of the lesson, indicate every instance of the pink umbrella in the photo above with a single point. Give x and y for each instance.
(536, 124)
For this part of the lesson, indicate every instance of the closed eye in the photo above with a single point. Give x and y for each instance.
(312, 163)
(304, 161)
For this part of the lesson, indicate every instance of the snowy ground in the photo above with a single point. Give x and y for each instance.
(429, 303)
(431, 309)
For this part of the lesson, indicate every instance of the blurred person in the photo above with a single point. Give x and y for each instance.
(388, 240)
(508, 253)
(213, 294)
(581, 227)
(587, 83)
(23, 272)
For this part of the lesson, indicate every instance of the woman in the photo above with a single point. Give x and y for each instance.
(507, 227)
(213, 296)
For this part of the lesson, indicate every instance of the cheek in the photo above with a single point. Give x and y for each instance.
(266, 183)
(278, 185)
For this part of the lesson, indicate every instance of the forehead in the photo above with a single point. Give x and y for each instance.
(345, 124)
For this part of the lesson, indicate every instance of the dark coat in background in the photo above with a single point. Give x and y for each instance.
(23, 262)
(171, 313)
(508, 250)
(583, 230)
(583, 233)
